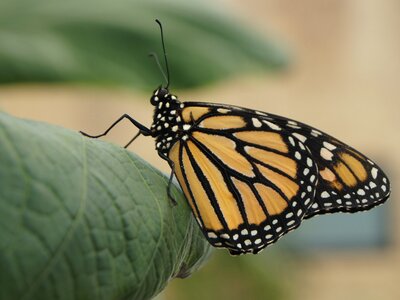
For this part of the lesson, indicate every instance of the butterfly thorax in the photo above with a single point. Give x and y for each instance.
(167, 122)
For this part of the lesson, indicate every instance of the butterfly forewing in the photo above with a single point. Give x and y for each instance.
(247, 184)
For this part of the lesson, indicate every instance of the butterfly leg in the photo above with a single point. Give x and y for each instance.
(173, 200)
(171, 176)
(142, 129)
(131, 141)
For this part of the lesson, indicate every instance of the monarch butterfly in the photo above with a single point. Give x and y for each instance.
(250, 177)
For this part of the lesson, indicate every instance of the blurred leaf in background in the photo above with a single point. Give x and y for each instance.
(236, 278)
(107, 42)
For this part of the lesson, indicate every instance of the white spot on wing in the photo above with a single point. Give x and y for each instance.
(297, 155)
(256, 122)
(326, 154)
(224, 236)
(212, 235)
(315, 133)
(329, 146)
(289, 215)
(223, 110)
(272, 125)
(361, 192)
(300, 137)
(374, 173)
(291, 140)
(309, 162)
(325, 194)
(293, 126)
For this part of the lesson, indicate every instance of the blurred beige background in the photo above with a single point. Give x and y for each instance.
(345, 80)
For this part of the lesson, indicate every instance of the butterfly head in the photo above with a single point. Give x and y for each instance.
(161, 94)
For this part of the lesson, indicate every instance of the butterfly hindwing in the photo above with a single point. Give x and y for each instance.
(347, 180)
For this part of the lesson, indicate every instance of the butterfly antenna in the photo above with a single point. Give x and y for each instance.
(165, 53)
(154, 55)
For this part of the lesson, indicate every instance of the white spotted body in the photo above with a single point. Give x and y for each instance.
(168, 126)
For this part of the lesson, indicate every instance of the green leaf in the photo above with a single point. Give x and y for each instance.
(102, 41)
(85, 219)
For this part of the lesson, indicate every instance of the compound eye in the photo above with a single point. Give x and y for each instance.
(162, 92)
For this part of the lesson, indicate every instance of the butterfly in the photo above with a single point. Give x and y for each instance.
(251, 177)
